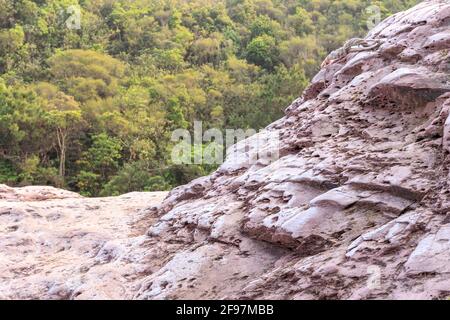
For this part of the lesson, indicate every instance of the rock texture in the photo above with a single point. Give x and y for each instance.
(57, 245)
(358, 204)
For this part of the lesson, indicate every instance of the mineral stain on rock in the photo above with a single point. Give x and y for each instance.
(361, 187)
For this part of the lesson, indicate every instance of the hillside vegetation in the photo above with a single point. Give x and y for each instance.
(92, 109)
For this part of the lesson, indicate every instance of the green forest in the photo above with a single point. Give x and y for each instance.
(92, 109)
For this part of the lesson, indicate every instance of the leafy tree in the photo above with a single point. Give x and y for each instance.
(263, 25)
(22, 124)
(65, 123)
(88, 183)
(301, 22)
(103, 156)
(263, 51)
(134, 176)
(11, 40)
(86, 74)
(64, 117)
(175, 117)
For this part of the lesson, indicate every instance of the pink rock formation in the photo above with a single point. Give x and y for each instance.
(58, 245)
(34, 193)
(357, 206)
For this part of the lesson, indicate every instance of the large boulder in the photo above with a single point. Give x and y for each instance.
(360, 188)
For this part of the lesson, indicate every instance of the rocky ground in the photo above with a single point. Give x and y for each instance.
(356, 206)
(55, 244)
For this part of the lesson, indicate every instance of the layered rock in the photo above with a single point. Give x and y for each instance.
(360, 188)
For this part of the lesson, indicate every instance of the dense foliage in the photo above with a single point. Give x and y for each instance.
(92, 109)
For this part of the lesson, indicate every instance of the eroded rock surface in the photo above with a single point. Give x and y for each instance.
(57, 245)
(359, 192)
(356, 206)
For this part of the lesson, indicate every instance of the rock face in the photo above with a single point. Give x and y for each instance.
(356, 206)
